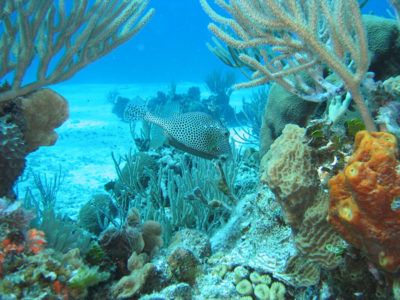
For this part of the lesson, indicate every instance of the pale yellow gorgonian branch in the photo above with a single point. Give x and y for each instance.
(396, 6)
(57, 38)
(294, 38)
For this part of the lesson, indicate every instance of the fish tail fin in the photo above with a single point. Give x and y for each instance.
(135, 112)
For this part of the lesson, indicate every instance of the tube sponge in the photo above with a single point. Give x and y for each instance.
(362, 197)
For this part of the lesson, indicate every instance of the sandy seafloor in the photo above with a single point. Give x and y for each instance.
(87, 139)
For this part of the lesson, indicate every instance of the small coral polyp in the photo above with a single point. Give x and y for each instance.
(361, 199)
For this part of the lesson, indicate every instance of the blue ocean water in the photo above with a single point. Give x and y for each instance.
(171, 47)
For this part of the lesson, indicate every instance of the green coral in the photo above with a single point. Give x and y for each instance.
(353, 126)
(262, 291)
(34, 276)
(337, 249)
(63, 234)
(93, 219)
(250, 284)
(244, 288)
(95, 254)
(86, 277)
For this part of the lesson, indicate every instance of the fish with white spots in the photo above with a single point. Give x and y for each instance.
(193, 132)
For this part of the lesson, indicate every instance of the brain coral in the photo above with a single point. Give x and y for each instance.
(363, 199)
(288, 170)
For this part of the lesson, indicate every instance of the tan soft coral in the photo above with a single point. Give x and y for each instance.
(43, 111)
(362, 199)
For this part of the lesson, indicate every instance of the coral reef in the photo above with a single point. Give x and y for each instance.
(389, 119)
(193, 240)
(392, 86)
(282, 108)
(383, 36)
(28, 270)
(29, 36)
(27, 123)
(252, 284)
(362, 199)
(131, 236)
(13, 152)
(42, 112)
(50, 274)
(130, 285)
(183, 265)
(217, 104)
(319, 246)
(288, 170)
(62, 233)
(92, 219)
(174, 226)
(255, 28)
(35, 36)
(85, 277)
(152, 237)
(14, 235)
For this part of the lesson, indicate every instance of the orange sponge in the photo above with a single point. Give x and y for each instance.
(363, 199)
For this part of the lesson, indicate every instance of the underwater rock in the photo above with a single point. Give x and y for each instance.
(184, 265)
(389, 117)
(196, 241)
(178, 291)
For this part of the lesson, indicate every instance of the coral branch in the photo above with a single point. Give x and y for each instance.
(57, 40)
(294, 40)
